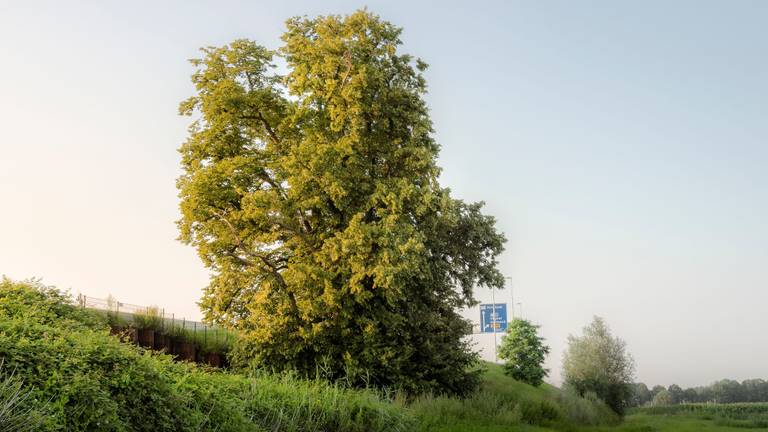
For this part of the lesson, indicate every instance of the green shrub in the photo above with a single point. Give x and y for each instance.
(34, 302)
(586, 410)
(94, 382)
(539, 412)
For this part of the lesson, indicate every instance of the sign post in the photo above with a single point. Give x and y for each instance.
(493, 319)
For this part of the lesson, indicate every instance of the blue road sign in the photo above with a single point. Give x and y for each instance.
(493, 321)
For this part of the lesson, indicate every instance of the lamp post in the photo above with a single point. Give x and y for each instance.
(511, 296)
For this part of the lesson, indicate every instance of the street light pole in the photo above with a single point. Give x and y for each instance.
(511, 296)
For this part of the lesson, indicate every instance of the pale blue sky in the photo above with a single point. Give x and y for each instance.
(621, 145)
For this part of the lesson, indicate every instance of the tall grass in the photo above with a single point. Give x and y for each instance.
(208, 340)
(94, 382)
(20, 411)
(150, 319)
(284, 402)
(505, 403)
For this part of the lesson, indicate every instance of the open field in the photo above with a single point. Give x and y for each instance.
(696, 417)
(642, 422)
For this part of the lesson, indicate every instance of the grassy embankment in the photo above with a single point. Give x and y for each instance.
(503, 404)
(78, 377)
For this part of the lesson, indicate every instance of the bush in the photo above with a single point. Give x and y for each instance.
(586, 410)
(539, 412)
(94, 382)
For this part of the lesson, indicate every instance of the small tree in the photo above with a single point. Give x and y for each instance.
(664, 397)
(656, 390)
(524, 352)
(598, 362)
(690, 396)
(676, 392)
(640, 394)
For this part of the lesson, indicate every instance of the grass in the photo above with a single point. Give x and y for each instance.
(88, 380)
(503, 404)
(65, 355)
(71, 374)
(695, 417)
(643, 422)
(208, 339)
(19, 411)
(731, 410)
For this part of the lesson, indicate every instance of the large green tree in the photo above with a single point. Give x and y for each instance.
(598, 362)
(313, 197)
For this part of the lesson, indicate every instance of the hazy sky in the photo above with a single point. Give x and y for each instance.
(622, 147)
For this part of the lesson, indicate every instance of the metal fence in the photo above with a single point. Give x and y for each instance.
(167, 321)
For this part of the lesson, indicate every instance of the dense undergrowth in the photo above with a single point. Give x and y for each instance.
(75, 376)
(83, 379)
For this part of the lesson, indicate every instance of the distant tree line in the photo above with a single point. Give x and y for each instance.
(723, 391)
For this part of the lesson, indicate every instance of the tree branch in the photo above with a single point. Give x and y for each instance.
(272, 268)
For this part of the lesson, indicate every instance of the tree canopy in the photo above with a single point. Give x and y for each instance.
(313, 198)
